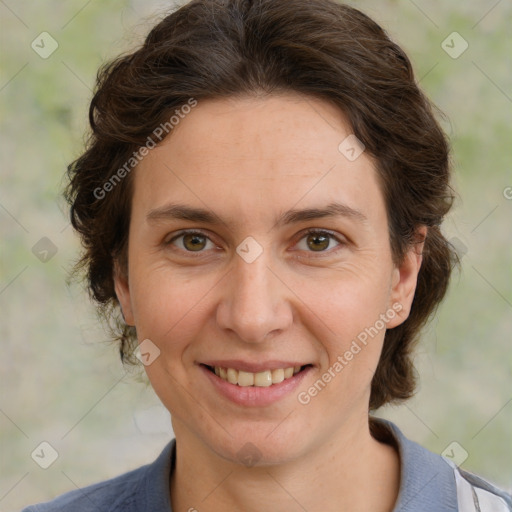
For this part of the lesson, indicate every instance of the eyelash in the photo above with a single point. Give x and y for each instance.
(310, 231)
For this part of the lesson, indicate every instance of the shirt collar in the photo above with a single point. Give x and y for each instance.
(154, 488)
(427, 482)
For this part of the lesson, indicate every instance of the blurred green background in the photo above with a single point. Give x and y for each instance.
(63, 383)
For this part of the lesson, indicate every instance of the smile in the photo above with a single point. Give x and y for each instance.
(260, 387)
(262, 379)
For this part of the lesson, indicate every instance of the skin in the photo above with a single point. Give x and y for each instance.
(248, 160)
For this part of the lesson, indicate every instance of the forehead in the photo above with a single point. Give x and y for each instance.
(258, 155)
(275, 128)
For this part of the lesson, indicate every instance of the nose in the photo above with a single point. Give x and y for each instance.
(255, 301)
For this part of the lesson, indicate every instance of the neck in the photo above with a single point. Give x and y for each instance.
(353, 470)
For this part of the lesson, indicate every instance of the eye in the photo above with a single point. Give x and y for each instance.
(314, 240)
(318, 241)
(191, 241)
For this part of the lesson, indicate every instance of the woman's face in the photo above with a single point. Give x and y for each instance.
(249, 288)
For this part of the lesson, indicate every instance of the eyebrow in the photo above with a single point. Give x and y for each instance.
(175, 211)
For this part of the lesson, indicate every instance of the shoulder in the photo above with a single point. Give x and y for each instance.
(117, 492)
(430, 481)
(129, 492)
(478, 495)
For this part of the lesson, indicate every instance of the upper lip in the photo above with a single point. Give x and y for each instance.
(256, 367)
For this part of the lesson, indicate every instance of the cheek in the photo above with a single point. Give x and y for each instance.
(347, 301)
(166, 303)
(350, 337)
(348, 315)
(169, 310)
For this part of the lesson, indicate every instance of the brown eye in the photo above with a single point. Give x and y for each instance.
(318, 242)
(191, 241)
(194, 242)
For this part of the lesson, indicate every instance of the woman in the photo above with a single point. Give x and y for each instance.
(260, 202)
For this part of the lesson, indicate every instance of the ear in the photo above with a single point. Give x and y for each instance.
(122, 288)
(405, 278)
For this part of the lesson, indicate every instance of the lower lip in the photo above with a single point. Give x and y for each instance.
(255, 396)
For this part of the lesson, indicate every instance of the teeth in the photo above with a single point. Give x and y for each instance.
(260, 379)
(288, 372)
(277, 376)
(232, 376)
(263, 379)
(245, 378)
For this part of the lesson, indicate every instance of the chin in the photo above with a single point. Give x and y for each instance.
(257, 447)
(255, 454)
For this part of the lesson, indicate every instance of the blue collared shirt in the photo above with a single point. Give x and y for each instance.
(428, 483)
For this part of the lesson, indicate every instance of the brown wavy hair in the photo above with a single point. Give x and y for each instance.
(318, 48)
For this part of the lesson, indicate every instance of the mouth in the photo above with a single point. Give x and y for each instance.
(262, 379)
